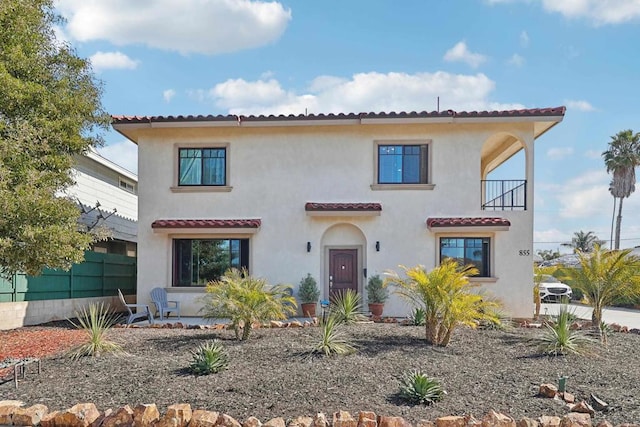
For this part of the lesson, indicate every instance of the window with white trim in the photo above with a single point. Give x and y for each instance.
(468, 250)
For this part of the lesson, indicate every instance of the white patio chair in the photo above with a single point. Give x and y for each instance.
(159, 298)
(142, 310)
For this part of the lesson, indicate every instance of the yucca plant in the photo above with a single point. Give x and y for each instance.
(417, 387)
(209, 358)
(245, 299)
(559, 339)
(417, 317)
(95, 320)
(332, 340)
(346, 307)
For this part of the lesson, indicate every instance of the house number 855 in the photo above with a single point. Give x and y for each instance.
(524, 252)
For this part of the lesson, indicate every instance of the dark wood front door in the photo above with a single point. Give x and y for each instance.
(343, 270)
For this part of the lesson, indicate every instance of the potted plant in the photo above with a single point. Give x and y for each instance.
(377, 295)
(308, 294)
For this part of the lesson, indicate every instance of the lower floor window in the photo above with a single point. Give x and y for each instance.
(199, 261)
(467, 250)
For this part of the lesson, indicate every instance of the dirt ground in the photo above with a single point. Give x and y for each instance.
(270, 376)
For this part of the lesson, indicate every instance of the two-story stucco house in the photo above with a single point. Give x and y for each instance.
(342, 197)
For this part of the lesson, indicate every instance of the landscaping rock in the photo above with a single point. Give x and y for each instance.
(225, 420)
(145, 415)
(497, 419)
(425, 423)
(583, 408)
(471, 421)
(450, 421)
(527, 422)
(252, 422)
(121, 417)
(276, 324)
(549, 421)
(599, 404)
(296, 324)
(548, 390)
(7, 408)
(30, 416)
(80, 415)
(300, 422)
(392, 422)
(576, 420)
(177, 415)
(568, 397)
(275, 422)
(202, 418)
(343, 419)
(48, 420)
(604, 423)
(320, 420)
(367, 419)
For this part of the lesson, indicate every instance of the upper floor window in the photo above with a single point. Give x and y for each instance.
(403, 164)
(202, 166)
(127, 185)
(467, 250)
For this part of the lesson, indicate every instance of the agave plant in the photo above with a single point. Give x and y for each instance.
(95, 320)
(346, 307)
(559, 339)
(417, 387)
(209, 358)
(332, 340)
(418, 316)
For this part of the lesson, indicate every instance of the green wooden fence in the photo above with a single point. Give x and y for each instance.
(99, 275)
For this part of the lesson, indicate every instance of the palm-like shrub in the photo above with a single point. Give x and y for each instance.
(209, 358)
(332, 340)
(417, 387)
(559, 339)
(346, 307)
(604, 276)
(418, 316)
(95, 320)
(245, 299)
(446, 296)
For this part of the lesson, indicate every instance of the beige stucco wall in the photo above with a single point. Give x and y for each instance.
(274, 171)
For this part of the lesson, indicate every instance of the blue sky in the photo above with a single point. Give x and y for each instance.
(169, 57)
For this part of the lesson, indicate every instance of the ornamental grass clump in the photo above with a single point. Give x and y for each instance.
(209, 358)
(332, 341)
(559, 339)
(416, 387)
(95, 320)
(346, 307)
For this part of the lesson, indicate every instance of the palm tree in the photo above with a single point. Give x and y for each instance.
(622, 157)
(584, 242)
(604, 276)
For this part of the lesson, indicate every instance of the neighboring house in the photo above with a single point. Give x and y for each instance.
(342, 197)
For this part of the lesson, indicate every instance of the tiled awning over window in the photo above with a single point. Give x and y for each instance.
(213, 225)
(493, 223)
(347, 209)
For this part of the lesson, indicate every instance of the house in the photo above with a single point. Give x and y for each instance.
(342, 197)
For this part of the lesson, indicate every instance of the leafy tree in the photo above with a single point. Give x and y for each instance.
(622, 157)
(50, 111)
(604, 276)
(584, 242)
(244, 300)
(446, 296)
(548, 254)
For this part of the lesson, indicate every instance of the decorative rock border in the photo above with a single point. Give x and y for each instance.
(12, 412)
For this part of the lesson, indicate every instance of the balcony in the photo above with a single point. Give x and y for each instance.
(504, 195)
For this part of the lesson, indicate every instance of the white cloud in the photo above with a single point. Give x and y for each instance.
(460, 52)
(123, 153)
(524, 39)
(579, 105)
(168, 95)
(185, 26)
(101, 61)
(362, 92)
(559, 153)
(585, 195)
(593, 154)
(516, 60)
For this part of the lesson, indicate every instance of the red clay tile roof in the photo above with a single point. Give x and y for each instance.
(529, 112)
(467, 222)
(206, 223)
(350, 207)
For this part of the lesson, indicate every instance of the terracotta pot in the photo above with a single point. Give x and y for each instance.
(309, 309)
(376, 308)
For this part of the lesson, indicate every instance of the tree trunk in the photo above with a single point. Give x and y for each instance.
(613, 218)
(596, 320)
(618, 223)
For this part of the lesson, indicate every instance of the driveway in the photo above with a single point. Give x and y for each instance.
(622, 316)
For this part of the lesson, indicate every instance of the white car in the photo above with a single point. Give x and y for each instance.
(552, 289)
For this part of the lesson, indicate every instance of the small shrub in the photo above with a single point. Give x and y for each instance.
(308, 291)
(417, 387)
(418, 316)
(209, 358)
(497, 320)
(559, 339)
(95, 320)
(346, 307)
(377, 293)
(332, 340)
